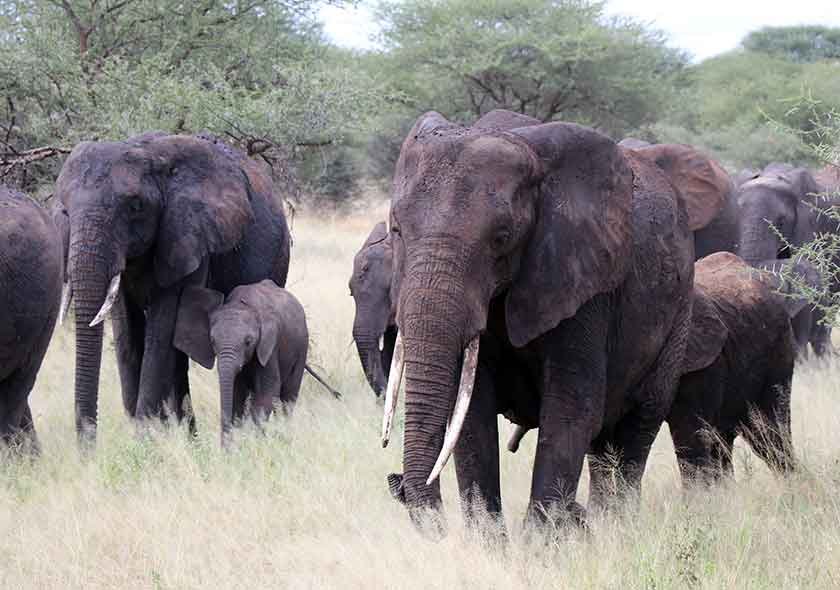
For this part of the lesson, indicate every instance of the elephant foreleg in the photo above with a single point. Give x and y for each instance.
(157, 373)
(634, 434)
(477, 453)
(129, 326)
(574, 377)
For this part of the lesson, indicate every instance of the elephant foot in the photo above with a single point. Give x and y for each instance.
(556, 515)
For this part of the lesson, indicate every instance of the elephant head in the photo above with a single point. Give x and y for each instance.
(158, 204)
(703, 183)
(775, 212)
(373, 325)
(531, 221)
(235, 330)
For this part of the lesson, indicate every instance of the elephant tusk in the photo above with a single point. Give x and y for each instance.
(392, 391)
(66, 298)
(516, 438)
(110, 298)
(462, 405)
(381, 342)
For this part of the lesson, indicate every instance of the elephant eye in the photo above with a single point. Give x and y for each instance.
(136, 204)
(501, 239)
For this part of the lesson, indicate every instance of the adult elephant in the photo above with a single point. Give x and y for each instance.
(782, 207)
(552, 270)
(30, 293)
(707, 189)
(374, 331)
(148, 216)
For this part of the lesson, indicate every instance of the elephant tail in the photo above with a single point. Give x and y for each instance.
(336, 394)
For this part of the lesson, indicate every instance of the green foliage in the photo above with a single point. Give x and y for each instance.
(551, 59)
(799, 44)
(730, 100)
(256, 72)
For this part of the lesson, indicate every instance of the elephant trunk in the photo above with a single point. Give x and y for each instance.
(228, 371)
(89, 276)
(435, 327)
(367, 344)
(757, 241)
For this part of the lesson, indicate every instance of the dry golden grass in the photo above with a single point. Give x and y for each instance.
(307, 505)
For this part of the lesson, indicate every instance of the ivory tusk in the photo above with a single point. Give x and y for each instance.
(66, 298)
(516, 438)
(392, 391)
(462, 405)
(381, 342)
(110, 298)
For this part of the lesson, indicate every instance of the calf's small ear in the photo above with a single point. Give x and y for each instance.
(192, 328)
(269, 336)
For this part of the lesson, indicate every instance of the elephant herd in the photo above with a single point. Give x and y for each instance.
(589, 289)
(586, 288)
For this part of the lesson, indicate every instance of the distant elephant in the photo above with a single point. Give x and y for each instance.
(552, 271)
(784, 201)
(30, 294)
(147, 217)
(259, 334)
(374, 330)
(738, 370)
(706, 188)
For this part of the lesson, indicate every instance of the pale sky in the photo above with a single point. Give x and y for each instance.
(704, 28)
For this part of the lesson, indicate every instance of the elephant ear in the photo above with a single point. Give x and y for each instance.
(377, 235)
(707, 336)
(192, 326)
(582, 238)
(809, 195)
(207, 204)
(502, 120)
(263, 299)
(703, 183)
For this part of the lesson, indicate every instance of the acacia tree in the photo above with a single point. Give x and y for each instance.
(551, 59)
(257, 72)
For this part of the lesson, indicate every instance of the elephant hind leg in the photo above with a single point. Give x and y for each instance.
(768, 429)
(16, 426)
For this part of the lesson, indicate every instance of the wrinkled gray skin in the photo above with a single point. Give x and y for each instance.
(259, 335)
(784, 196)
(30, 292)
(162, 212)
(501, 232)
(374, 320)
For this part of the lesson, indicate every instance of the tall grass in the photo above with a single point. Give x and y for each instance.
(307, 506)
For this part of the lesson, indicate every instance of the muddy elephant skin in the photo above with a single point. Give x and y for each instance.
(556, 267)
(739, 366)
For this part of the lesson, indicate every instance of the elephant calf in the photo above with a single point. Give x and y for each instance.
(738, 370)
(30, 294)
(259, 334)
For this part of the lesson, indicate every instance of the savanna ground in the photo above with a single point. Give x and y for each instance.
(307, 505)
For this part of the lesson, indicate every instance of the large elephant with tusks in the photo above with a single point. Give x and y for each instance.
(148, 216)
(541, 272)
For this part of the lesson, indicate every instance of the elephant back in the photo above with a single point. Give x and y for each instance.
(731, 299)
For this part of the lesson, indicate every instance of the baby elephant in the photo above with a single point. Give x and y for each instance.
(738, 369)
(259, 334)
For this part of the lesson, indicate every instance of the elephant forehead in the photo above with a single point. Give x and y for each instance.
(234, 313)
